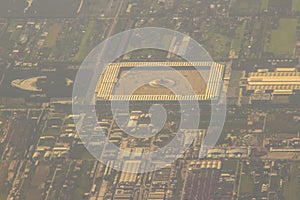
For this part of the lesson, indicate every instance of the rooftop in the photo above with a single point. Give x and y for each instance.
(278, 80)
(160, 89)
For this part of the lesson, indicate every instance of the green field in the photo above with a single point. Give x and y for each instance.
(47, 142)
(295, 5)
(264, 5)
(85, 47)
(238, 39)
(39, 9)
(79, 151)
(281, 123)
(282, 40)
(274, 183)
(94, 8)
(83, 183)
(246, 7)
(4, 190)
(52, 132)
(291, 191)
(99, 5)
(229, 166)
(15, 35)
(218, 45)
(247, 184)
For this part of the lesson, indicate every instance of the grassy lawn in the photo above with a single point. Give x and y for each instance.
(286, 4)
(246, 7)
(52, 132)
(47, 142)
(291, 190)
(99, 5)
(12, 102)
(94, 8)
(85, 47)
(274, 183)
(83, 183)
(15, 35)
(280, 122)
(295, 5)
(282, 40)
(238, 39)
(3, 176)
(264, 5)
(229, 166)
(78, 151)
(218, 45)
(69, 121)
(247, 184)
(38, 178)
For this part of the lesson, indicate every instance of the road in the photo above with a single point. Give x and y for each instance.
(264, 131)
(240, 179)
(3, 75)
(143, 191)
(116, 18)
(50, 187)
(24, 162)
(10, 131)
(80, 6)
(18, 181)
(82, 116)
